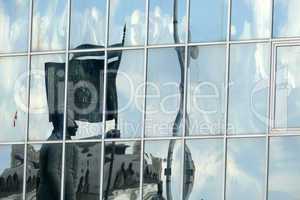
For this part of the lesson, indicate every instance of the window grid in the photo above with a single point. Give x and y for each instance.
(274, 42)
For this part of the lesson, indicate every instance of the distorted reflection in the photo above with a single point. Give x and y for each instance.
(206, 169)
(167, 21)
(13, 101)
(246, 161)
(163, 170)
(46, 97)
(251, 19)
(132, 14)
(248, 88)
(121, 175)
(82, 171)
(287, 108)
(43, 171)
(87, 22)
(214, 29)
(206, 91)
(49, 24)
(14, 17)
(129, 84)
(164, 96)
(284, 173)
(11, 171)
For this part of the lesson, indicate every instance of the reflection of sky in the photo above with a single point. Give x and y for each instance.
(5, 157)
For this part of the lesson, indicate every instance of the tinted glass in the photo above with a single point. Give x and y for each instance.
(204, 164)
(122, 170)
(46, 97)
(165, 73)
(204, 30)
(206, 93)
(11, 171)
(14, 25)
(13, 101)
(248, 88)
(246, 169)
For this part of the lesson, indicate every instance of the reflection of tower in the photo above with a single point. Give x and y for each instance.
(17, 155)
(136, 148)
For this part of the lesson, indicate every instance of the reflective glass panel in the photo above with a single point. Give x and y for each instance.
(246, 160)
(129, 13)
(287, 108)
(82, 171)
(88, 19)
(43, 171)
(162, 169)
(49, 24)
(284, 173)
(248, 88)
(14, 25)
(203, 171)
(163, 97)
(13, 101)
(11, 171)
(204, 30)
(251, 19)
(47, 97)
(121, 175)
(206, 90)
(286, 18)
(126, 80)
(162, 29)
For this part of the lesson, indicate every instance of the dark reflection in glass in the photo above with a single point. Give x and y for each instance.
(43, 171)
(204, 30)
(11, 171)
(14, 25)
(163, 170)
(127, 79)
(47, 97)
(164, 107)
(203, 171)
(82, 171)
(246, 161)
(88, 19)
(13, 101)
(284, 165)
(167, 26)
(121, 175)
(49, 25)
(129, 13)
(206, 93)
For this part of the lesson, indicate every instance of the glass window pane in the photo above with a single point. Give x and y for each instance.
(88, 19)
(47, 97)
(162, 29)
(49, 25)
(246, 169)
(14, 25)
(129, 13)
(82, 171)
(248, 88)
(204, 165)
(206, 94)
(13, 101)
(204, 30)
(11, 171)
(286, 18)
(251, 19)
(122, 170)
(165, 73)
(127, 80)
(284, 173)
(43, 171)
(162, 169)
(287, 108)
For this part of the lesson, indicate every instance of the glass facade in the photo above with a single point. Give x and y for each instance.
(149, 99)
